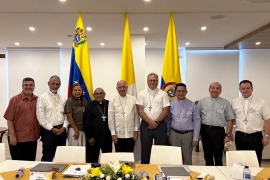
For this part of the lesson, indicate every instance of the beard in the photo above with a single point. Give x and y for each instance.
(53, 91)
(28, 92)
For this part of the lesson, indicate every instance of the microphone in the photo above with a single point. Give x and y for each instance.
(144, 174)
(20, 172)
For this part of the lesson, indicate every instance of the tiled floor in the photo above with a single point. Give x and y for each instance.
(197, 158)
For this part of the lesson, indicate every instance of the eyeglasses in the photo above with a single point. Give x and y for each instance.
(152, 81)
(96, 94)
(181, 91)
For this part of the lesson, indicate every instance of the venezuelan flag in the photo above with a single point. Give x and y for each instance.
(80, 71)
(171, 69)
(127, 68)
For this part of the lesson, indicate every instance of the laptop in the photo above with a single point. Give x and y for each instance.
(43, 167)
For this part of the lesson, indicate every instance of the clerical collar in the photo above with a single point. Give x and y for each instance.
(100, 102)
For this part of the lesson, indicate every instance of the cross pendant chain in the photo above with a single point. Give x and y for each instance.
(150, 107)
(103, 114)
(103, 117)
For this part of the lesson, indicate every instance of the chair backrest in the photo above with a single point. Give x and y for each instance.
(2, 152)
(109, 157)
(70, 154)
(166, 155)
(246, 157)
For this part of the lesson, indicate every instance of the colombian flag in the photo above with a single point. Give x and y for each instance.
(127, 68)
(171, 69)
(80, 71)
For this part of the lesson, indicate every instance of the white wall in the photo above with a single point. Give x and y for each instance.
(39, 65)
(4, 88)
(205, 67)
(254, 66)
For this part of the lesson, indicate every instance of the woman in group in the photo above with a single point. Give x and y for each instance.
(74, 110)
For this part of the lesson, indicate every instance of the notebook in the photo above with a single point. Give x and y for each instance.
(43, 167)
(174, 172)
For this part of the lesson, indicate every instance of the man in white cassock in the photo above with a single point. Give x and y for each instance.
(123, 119)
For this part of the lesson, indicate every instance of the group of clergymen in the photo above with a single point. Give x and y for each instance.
(96, 125)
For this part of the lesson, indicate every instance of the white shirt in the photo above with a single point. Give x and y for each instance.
(254, 109)
(50, 110)
(156, 100)
(122, 124)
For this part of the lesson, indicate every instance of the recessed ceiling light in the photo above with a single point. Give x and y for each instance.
(258, 43)
(187, 43)
(145, 29)
(31, 28)
(145, 44)
(89, 29)
(147, 0)
(203, 28)
(17, 44)
(102, 44)
(62, 0)
(60, 44)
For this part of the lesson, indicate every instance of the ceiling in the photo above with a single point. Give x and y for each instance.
(55, 20)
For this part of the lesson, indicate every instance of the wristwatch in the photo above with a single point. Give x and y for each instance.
(228, 134)
(158, 122)
(266, 135)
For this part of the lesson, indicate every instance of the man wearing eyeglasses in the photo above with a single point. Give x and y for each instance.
(183, 123)
(153, 106)
(251, 114)
(23, 126)
(96, 128)
(216, 113)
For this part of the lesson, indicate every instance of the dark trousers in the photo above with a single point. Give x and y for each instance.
(213, 144)
(25, 151)
(50, 141)
(147, 135)
(93, 150)
(250, 142)
(124, 145)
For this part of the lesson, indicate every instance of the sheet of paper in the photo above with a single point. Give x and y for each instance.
(77, 170)
(40, 175)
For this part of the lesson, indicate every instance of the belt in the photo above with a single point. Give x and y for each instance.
(249, 134)
(212, 127)
(181, 132)
(58, 126)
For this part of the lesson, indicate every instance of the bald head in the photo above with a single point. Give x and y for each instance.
(122, 88)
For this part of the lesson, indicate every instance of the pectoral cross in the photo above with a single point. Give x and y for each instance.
(103, 117)
(150, 107)
(123, 113)
(245, 120)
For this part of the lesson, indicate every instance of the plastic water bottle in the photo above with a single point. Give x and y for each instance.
(20, 172)
(246, 173)
(144, 174)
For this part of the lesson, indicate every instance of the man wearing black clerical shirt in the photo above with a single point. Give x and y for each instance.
(95, 124)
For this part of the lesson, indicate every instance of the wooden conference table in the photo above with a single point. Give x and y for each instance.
(220, 172)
